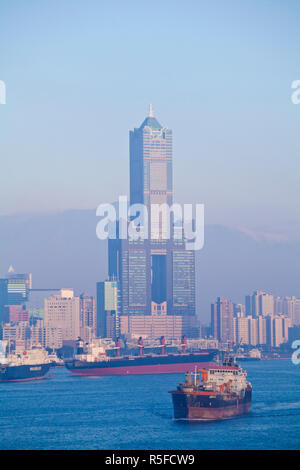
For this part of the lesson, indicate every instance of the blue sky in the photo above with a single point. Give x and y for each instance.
(80, 74)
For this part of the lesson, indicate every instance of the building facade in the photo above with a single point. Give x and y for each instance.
(259, 303)
(157, 274)
(87, 317)
(62, 317)
(222, 320)
(108, 309)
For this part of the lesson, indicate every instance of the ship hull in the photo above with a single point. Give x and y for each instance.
(195, 407)
(248, 359)
(141, 365)
(23, 372)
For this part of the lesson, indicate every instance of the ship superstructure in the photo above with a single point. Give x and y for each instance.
(253, 355)
(30, 364)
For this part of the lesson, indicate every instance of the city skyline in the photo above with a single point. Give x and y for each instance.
(178, 178)
(149, 228)
(262, 320)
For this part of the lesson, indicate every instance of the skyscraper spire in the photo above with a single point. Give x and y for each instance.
(150, 110)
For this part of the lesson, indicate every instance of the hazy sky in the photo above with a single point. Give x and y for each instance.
(80, 74)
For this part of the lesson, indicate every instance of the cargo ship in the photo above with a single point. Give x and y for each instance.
(56, 361)
(92, 360)
(213, 393)
(252, 355)
(29, 365)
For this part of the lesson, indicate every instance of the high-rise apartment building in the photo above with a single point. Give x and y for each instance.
(62, 316)
(253, 331)
(277, 330)
(222, 320)
(261, 330)
(289, 306)
(87, 317)
(259, 303)
(108, 309)
(266, 304)
(242, 334)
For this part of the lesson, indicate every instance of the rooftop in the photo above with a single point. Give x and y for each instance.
(151, 121)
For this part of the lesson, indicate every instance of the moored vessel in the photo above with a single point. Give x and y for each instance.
(56, 361)
(93, 360)
(31, 364)
(253, 355)
(213, 393)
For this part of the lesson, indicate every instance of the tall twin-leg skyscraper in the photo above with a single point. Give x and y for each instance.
(156, 276)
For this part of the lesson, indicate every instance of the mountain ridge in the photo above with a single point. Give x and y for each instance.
(62, 250)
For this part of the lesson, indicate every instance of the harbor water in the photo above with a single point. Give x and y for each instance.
(135, 412)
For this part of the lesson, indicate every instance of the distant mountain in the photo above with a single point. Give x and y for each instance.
(62, 250)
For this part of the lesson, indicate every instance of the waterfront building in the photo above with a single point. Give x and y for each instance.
(62, 317)
(155, 326)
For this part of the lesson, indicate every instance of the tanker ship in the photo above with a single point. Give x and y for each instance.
(30, 364)
(213, 393)
(92, 359)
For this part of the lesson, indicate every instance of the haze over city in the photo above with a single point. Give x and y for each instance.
(149, 228)
(78, 78)
(218, 74)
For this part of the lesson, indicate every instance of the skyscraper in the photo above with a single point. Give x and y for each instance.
(87, 317)
(151, 163)
(18, 286)
(157, 275)
(222, 322)
(14, 290)
(108, 309)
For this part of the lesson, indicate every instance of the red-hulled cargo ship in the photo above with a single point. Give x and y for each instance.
(213, 393)
(94, 361)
